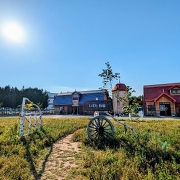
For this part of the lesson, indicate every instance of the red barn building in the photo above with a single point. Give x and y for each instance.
(162, 99)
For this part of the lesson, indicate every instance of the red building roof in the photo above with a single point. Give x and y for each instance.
(154, 92)
(167, 95)
(119, 87)
(176, 86)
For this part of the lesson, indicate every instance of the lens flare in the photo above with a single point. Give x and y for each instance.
(13, 32)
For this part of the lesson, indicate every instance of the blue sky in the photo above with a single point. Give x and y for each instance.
(68, 42)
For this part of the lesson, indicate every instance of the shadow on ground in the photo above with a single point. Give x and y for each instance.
(37, 175)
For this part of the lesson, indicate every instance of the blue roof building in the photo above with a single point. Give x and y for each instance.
(72, 102)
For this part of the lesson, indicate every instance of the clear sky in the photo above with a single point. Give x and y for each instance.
(64, 44)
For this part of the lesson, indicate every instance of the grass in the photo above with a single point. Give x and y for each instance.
(19, 159)
(123, 157)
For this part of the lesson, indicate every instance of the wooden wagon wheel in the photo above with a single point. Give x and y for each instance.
(100, 127)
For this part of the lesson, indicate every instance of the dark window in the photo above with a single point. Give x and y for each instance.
(151, 108)
(162, 107)
(175, 91)
(75, 96)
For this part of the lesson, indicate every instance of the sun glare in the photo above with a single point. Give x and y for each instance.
(13, 32)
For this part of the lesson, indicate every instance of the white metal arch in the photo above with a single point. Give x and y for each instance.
(34, 118)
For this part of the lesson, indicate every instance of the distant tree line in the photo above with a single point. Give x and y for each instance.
(12, 97)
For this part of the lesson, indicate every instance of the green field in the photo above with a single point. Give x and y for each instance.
(153, 155)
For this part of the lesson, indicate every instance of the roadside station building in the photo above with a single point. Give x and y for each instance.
(162, 99)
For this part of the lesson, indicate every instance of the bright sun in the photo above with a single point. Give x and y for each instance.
(13, 32)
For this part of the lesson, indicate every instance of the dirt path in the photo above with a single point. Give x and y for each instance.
(61, 159)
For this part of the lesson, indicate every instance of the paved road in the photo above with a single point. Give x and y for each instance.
(82, 116)
(123, 117)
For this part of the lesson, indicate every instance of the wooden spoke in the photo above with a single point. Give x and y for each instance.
(99, 127)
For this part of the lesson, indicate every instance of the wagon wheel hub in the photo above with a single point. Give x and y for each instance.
(100, 131)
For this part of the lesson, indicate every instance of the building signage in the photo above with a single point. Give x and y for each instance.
(98, 105)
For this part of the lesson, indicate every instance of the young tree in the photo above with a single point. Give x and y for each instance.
(108, 77)
(130, 104)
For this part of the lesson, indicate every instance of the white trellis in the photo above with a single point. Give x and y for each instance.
(30, 120)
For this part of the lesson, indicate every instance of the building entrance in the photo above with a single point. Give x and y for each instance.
(165, 109)
(75, 110)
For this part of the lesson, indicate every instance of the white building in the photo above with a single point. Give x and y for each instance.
(51, 100)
